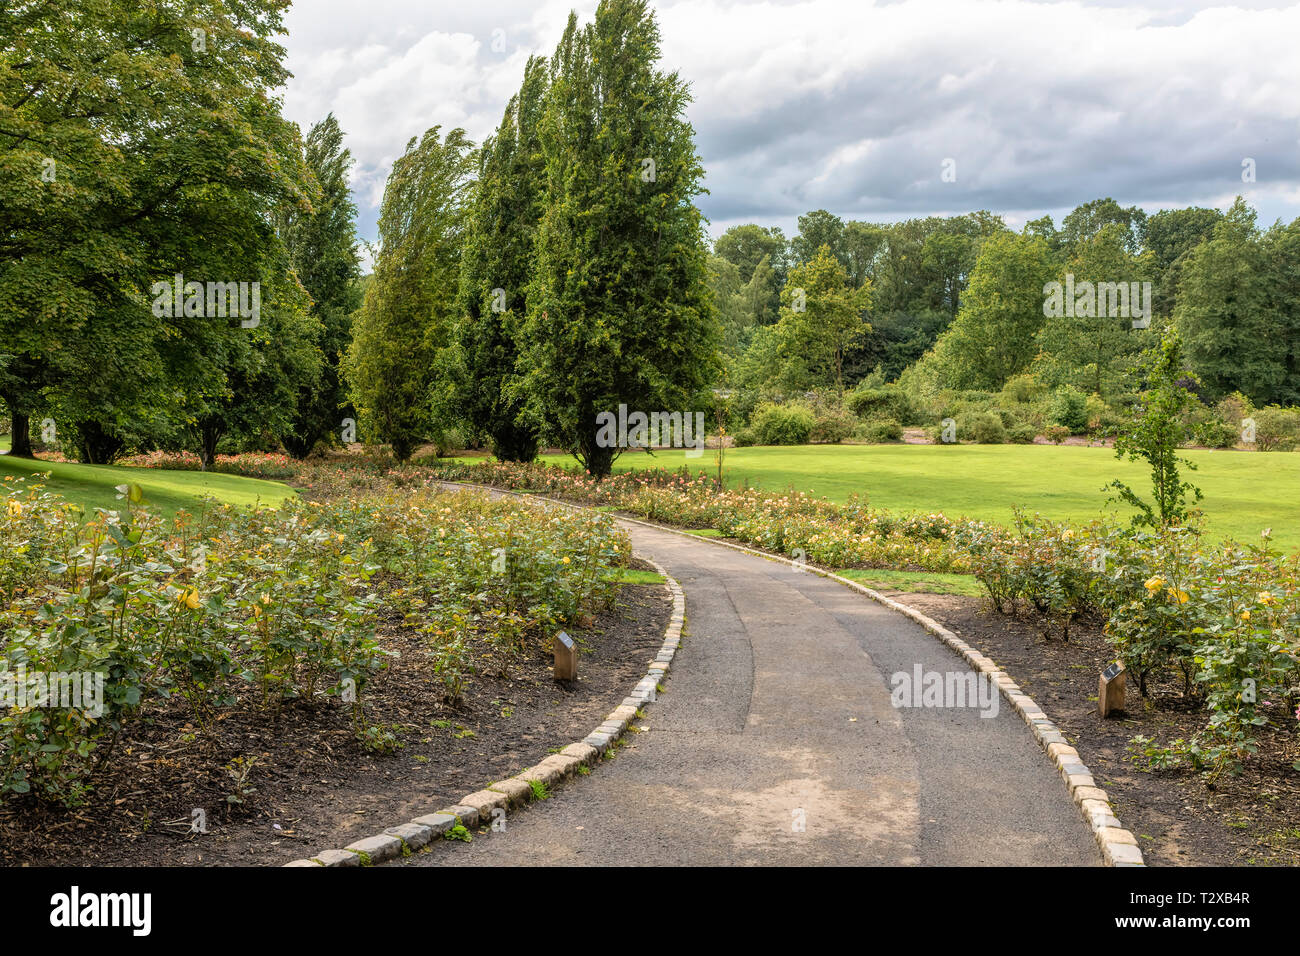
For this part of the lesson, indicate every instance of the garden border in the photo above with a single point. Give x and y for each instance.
(496, 799)
(1118, 846)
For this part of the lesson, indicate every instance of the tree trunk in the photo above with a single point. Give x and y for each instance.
(21, 436)
(512, 442)
(209, 435)
(599, 461)
(96, 445)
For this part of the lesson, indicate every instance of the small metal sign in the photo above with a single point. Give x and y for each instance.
(566, 657)
(1110, 690)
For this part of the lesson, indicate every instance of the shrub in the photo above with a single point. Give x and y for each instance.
(879, 432)
(1100, 417)
(1069, 408)
(983, 428)
(1056, 433)
(252, 608)
(1023, 389)
(1023, 434)
(1234, 409)
(781, 424)
(832, 424)
(1277, 428)
(955, 404)
(1216, 433)
(889, 402)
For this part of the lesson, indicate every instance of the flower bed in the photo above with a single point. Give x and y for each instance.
(262, 608)
(791, 522)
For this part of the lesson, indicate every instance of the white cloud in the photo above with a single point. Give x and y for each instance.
(853, 106)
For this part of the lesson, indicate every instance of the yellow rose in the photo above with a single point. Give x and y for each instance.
(15, 508)
(1245, 615)
(189, 598)
(1266, 597)
(1154, 584)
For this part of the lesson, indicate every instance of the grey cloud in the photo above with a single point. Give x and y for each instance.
(1042, 106)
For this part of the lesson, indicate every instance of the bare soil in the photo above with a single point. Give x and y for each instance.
(312, 785)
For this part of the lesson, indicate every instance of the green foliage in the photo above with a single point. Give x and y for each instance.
(993, 335)
(773, 424)
(821, 320)
(983, 428)
(159, 155)
(879, 430)
(252, 606)
(1092, 218)
(1211, 617)
(409, 306)
(255, 608)
(1091, 351)
(743, 307)
(1276, 428)
(1023, 389)
(1215, 433)
(888, 402)
(1156, 433)
(1170, 236)
(1237, 301)
(749, 295)
(322, 248)
(618, 306)
(1069, 408)
(748, 245)
(1022, 434)
(480, 376)
(266, 370)
(832, 424)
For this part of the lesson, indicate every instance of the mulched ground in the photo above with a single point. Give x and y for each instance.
(1178, 818)
(311, 785)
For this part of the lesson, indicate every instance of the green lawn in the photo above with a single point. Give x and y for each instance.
(634, 576)
(1244, 491)
(917, 582)
(93, 486)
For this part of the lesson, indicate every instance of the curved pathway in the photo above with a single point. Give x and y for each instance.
(777, 710)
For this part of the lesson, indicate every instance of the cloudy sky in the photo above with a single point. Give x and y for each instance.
(855, 106)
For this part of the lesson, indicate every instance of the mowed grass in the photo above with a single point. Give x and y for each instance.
(1245, 492)
(915, 582)
(94, 486)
